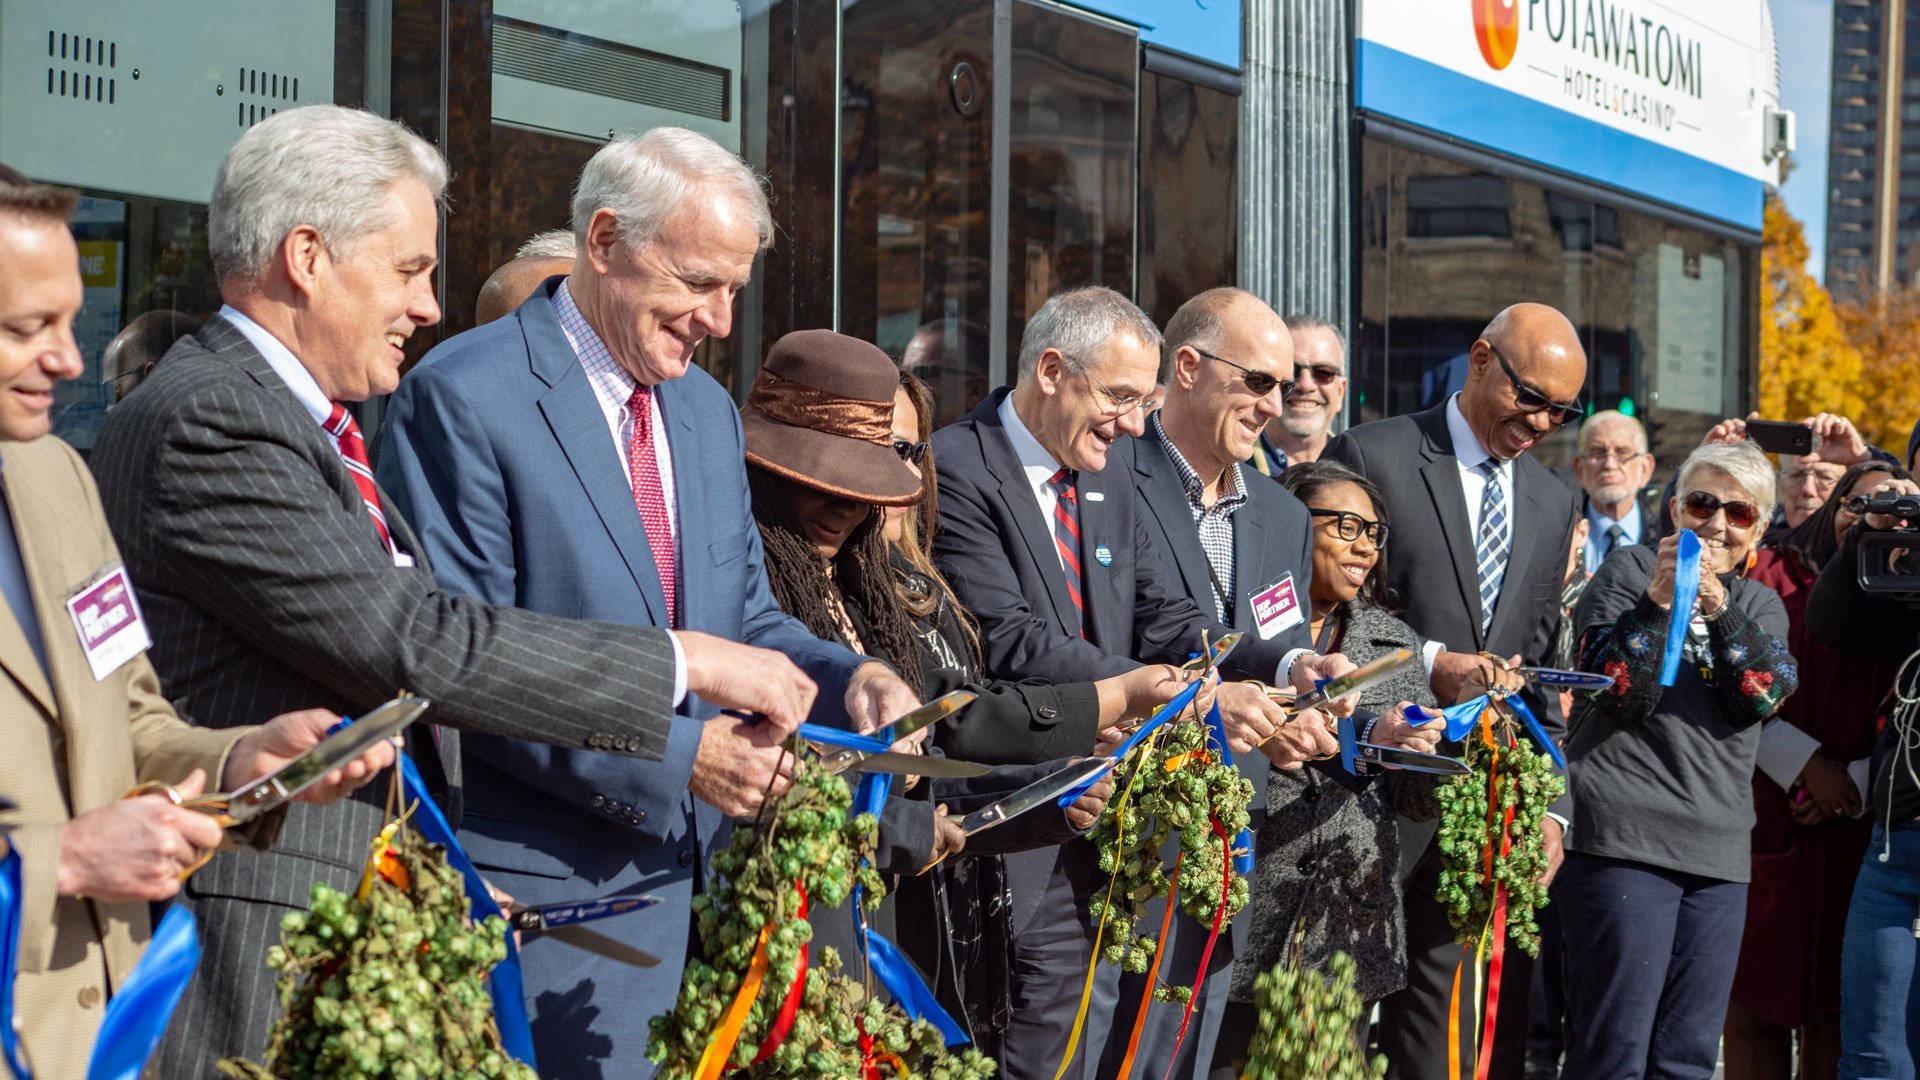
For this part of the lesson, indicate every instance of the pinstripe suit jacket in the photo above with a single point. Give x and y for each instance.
(266, 589)
(73, 744)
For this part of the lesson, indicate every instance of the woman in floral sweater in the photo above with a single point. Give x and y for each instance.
(1654, 890)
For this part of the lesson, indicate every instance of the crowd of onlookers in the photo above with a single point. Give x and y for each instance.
(623, 592)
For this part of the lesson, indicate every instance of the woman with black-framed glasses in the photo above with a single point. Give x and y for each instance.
(1654, 890)
(1329, 852)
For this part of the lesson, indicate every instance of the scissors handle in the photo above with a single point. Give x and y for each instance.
(213, 805)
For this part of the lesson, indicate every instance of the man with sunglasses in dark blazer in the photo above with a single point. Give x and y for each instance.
(1476, 557)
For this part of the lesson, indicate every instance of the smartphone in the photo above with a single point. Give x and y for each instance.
(1781, 437)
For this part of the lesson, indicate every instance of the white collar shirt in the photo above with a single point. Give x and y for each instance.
(1036, 463)
(612, 389)
(1469, 453)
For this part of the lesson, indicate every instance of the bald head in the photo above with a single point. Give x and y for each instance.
(510, 285)
(1213, 344)
(1528, 359)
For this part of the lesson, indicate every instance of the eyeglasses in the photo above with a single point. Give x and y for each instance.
(1598, 458)
(1533, 401)
(1120, 404)
(1348, 525)
(1322, 373)
(1702, 505)
(1261, 383)
(912, 452)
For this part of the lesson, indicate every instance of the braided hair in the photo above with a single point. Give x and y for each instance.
(862, 574)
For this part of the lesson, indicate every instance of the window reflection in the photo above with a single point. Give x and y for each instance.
(916, 124)
(1189, 146)
(1443, 246)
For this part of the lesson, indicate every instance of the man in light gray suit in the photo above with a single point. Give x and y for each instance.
(274, 573)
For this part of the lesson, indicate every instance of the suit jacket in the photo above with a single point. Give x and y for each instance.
(497, 451)
(266, 588)
(1272, 537)
(1430, 560)
(74, 744)
(998, 553)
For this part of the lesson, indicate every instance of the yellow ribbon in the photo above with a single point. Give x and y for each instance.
(1086, 992)
(713, 1060)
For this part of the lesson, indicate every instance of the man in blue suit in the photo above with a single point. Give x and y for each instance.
(568, 458)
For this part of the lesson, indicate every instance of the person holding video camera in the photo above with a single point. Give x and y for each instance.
(1879, 950)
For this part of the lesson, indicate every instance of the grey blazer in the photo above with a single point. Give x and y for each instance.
(266, 589)
(1328, 853)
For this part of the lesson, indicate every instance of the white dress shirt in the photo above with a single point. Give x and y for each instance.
(1468, 453)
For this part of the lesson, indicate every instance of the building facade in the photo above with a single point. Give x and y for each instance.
(1873, 214)
(939, 169)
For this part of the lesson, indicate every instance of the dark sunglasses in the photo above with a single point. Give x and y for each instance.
(1740, 515)
(913, 452)
(1322, 373)
(1259, 382)
(1348, 525)
(1533, 401)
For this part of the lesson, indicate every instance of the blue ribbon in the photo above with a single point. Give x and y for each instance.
(1217, 734)
(1686, 590)
(1461, 718)
(1165, 713)
(10, 901)
(846, 740)
(895, 972)
(138, 1014)
(509, 997)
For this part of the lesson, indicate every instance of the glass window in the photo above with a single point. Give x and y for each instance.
(1073, 159)
(95, 96)
(1189, 148)
(1662, 309)
(916, 129)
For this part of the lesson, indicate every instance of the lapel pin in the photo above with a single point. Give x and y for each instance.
(1095, 496)
(1103, 555)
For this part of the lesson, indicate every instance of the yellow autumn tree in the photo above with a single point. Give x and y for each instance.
(1886, 331)
(1807, 363)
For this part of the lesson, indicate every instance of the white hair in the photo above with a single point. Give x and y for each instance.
(320, 165)
(1743, 462)
(644, 178)
(1613, 416)
(1078, 324)
(551, 244)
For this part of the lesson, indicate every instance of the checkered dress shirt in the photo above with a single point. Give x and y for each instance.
(1214, 522)
(612, 388)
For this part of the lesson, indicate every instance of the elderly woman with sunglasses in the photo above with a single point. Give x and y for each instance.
(1654, 890)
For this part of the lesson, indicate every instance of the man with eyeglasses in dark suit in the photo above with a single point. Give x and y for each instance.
(1477, 556)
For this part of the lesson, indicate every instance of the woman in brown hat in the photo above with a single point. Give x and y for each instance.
(823, 466)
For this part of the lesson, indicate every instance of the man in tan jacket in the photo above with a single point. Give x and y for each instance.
(81, 713)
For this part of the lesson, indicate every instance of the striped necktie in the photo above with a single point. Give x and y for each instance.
(1066, 537)
(353, 450)
(1490, 546)
(650, 498)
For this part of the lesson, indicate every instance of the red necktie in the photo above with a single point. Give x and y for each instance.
(353, 450)
(643, 467)
(1066, 537)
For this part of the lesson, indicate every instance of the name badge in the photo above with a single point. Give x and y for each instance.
(107, 618)
(1277, 607)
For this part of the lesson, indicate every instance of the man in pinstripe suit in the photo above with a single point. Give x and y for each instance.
(274, 573)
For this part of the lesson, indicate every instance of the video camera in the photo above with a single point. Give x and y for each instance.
(1890, 558)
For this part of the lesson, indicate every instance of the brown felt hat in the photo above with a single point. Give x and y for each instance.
(820, 413)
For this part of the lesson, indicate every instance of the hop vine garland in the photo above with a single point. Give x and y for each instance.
(1473, 809)
(387, 987)
(808, 851)
(1308, 1026)
(1175, 780)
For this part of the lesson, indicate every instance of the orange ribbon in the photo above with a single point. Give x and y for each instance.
(1153, 974)
(790, 1007)
(713, 1060)
(1213, 936)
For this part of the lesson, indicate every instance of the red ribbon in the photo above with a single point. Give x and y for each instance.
(1213, 936)
(790, 1005)
(1499, 955)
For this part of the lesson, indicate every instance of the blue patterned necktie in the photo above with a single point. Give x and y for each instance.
(1490, 546)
